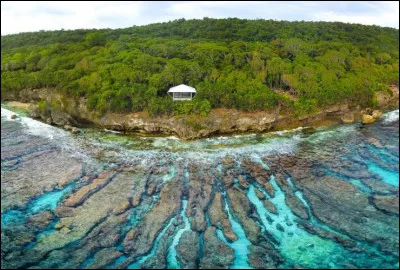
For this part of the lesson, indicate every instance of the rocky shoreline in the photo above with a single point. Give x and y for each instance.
(68, 113)
(73, 203)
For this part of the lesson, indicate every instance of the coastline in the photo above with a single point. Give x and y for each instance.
(220, 122)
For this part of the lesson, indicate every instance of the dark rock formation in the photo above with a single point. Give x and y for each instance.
(188, 249)
(217, 255)
(219, 218)
(140, 239)
(242, 209)
(264, 257)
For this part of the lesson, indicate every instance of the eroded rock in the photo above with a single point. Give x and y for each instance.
(219, 218)
(388, 204)
(376, 114)
(243, 181)
(264, 258)
(187, 250)
(217, 255)
(139, 240)
(199, 198)
(83, 193)
(41, 220)
(242, 209)
(367, 119)
(270, 207)
(334, 201)
(104, 257)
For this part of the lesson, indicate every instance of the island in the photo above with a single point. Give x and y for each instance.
(249, 75)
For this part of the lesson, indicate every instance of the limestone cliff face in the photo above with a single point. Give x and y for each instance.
(191, 127)
(63, 111)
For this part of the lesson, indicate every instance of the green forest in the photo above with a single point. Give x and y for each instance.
(249, 65)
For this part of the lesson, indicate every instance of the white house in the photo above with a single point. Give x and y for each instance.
(182, 92)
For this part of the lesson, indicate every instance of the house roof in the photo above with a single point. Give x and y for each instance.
(182, 88)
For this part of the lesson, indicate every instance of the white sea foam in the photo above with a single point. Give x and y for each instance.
(390, 117)
(112, 131)
(63, 138)
(35, 127)
(323, 134)
(287, 131)
(145, 150)
(7, 114)
(247, 135)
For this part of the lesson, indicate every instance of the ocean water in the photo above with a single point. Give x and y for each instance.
(240, 246)
(344, 179)
(47, 201)
(171, 257)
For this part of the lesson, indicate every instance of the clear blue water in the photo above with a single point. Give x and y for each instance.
(297, 246)
(170, 175)
(12, 216)
(47, 201)
(137, 263)
(392, 178)
(240, 246)
(171, 257)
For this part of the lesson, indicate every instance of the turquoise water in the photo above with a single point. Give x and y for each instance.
(361, 164)
(392, 178)
(12, 216)
(258, 160)
(171, 257)
(240, 246)
(297, 245)
(170, 175)
(47, 201)
(136, 264)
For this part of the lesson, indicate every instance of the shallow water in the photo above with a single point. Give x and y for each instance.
(47, 201)
(139, 262)
(240, 246)
(335, 193)
(392, 178)
(296, 244)
(172, 261)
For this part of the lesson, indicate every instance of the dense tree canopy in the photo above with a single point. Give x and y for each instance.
(245, 64)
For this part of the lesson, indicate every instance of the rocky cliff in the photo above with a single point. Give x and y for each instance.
(53, 108)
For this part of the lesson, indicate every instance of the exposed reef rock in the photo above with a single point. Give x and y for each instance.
(312, 199)
(219, 218)
(217, 255)
(188, 250)
(139, 240)
(199, 196)
(242, 209)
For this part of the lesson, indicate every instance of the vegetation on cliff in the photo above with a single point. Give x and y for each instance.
(249, 65)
